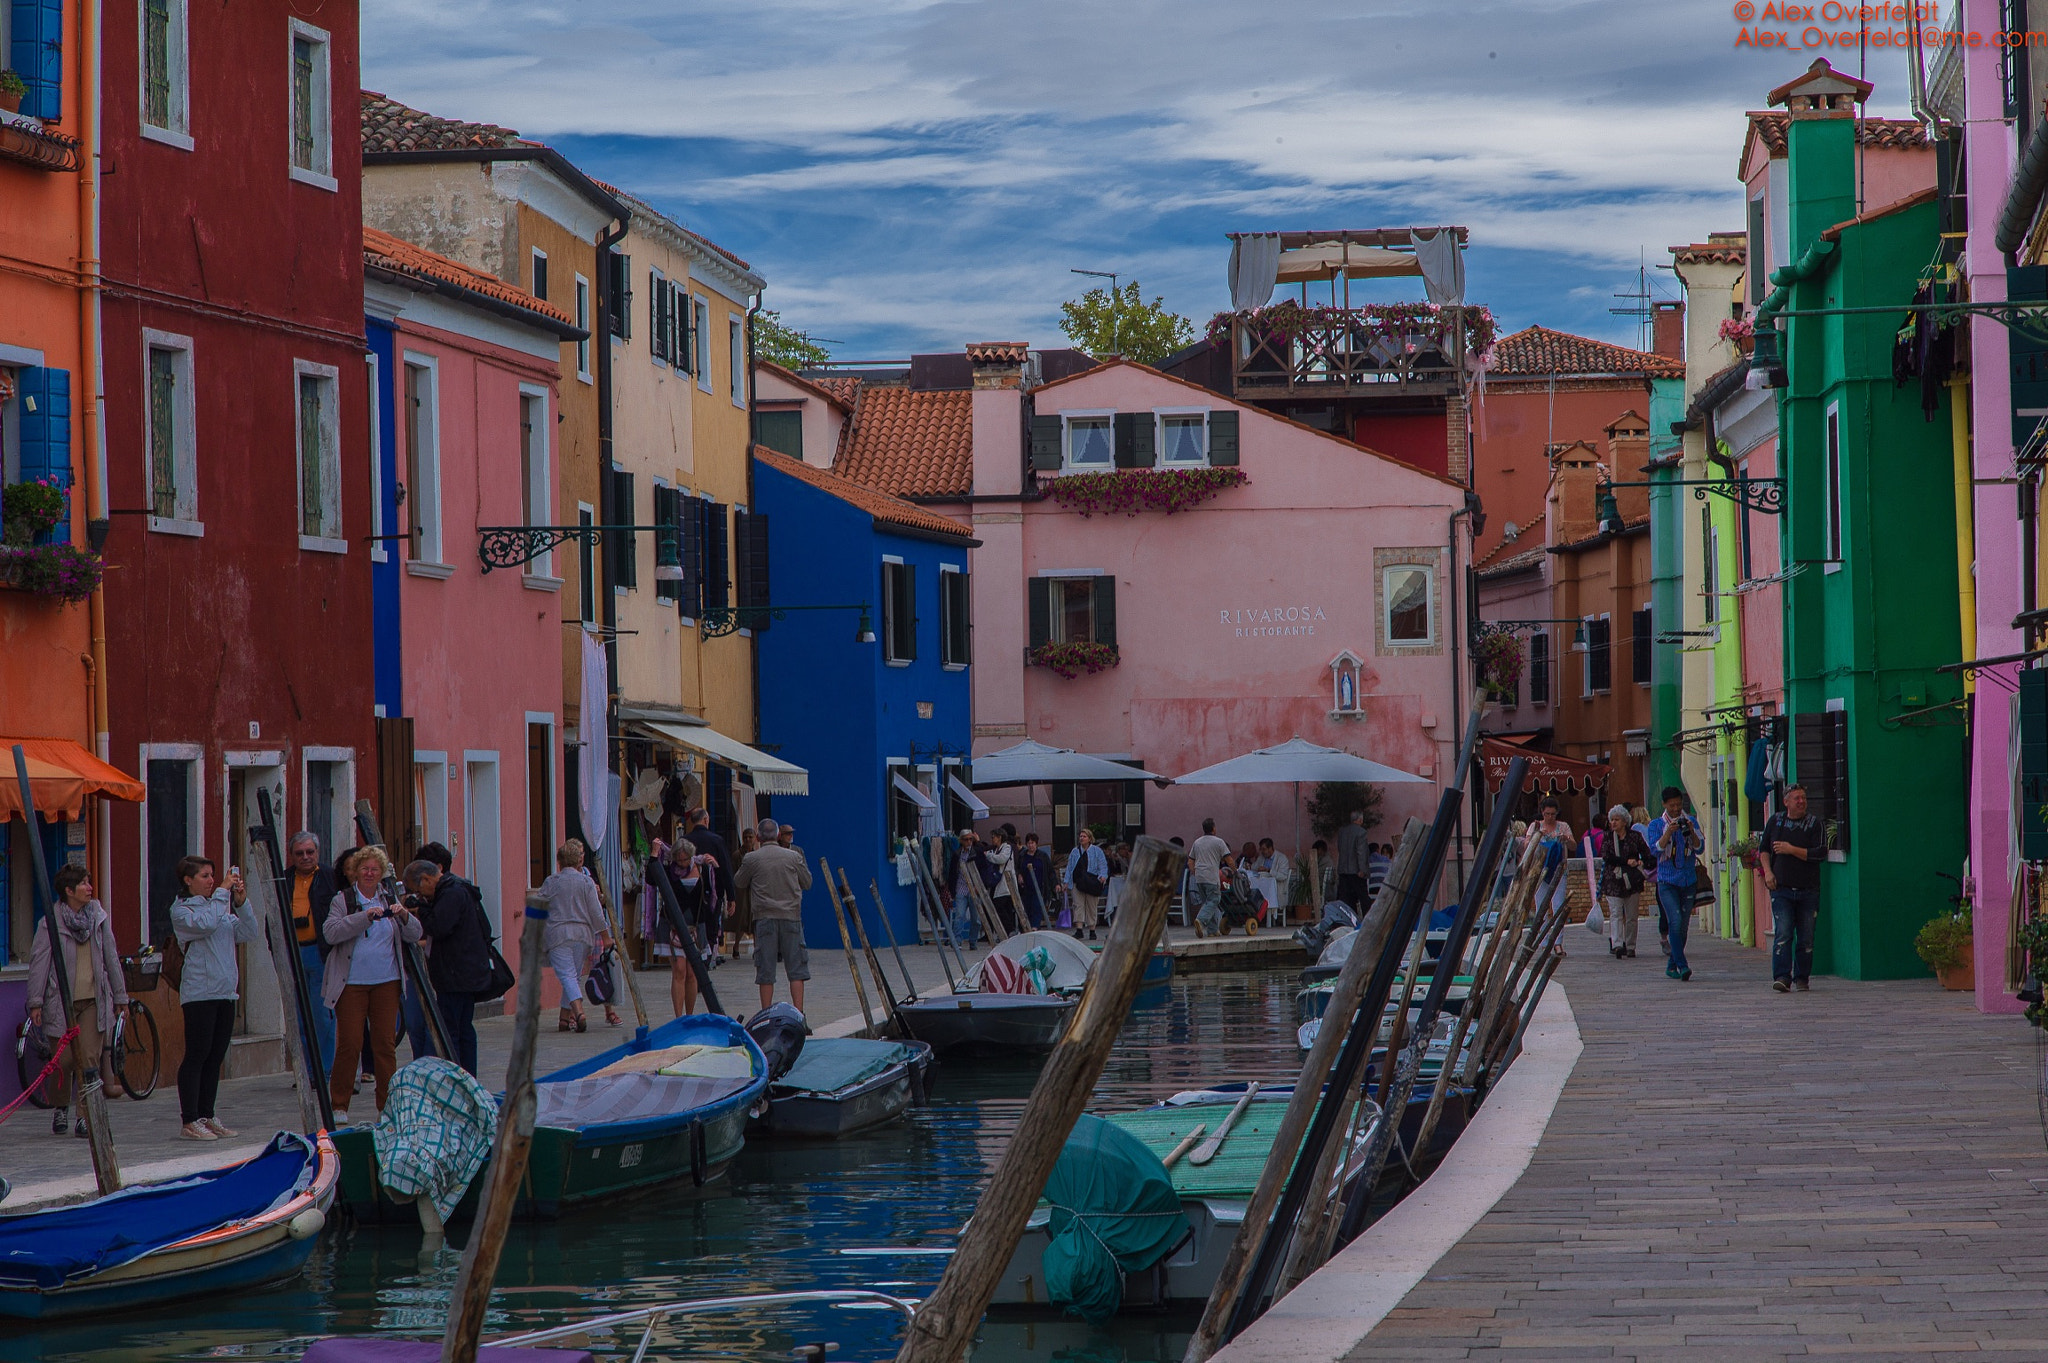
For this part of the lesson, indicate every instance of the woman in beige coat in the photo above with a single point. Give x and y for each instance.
(99, 991)
(365, 975)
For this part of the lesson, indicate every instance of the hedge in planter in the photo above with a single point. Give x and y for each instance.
(61, 572)
(1945, 942)
(1071, 660)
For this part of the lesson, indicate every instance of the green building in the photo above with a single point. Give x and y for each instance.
(1870, 604)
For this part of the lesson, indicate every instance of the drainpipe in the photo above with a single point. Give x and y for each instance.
(607, 605)
(1966, 522)
(753, 437)
(94, 447)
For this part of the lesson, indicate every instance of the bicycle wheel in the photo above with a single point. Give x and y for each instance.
(137, 1054)
(32, 1049)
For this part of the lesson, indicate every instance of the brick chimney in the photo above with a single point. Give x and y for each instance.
(1628, 449)
(1574, 474)
(998, 364)
(1667, 324)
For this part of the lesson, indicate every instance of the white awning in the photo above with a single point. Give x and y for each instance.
(915, 796)
(770, 775)
(967, 797)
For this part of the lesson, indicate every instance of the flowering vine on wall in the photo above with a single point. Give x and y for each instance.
(1129, 492)
(1071, 660)
(62, 572)
(1402, 322)
(1498, 655)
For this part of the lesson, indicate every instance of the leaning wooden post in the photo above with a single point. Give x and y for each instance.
(622, 965)
(301, 1052)
(508, 1161)
(945, 1324)
(882, 912)
(92, 1099)
(867, 948)
(860, 990)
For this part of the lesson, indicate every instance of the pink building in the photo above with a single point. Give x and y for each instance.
(473, 382)
(1311, 587)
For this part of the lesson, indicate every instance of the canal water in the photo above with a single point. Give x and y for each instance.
(877, 1211)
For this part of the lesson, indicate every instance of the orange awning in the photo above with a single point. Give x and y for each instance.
(1547, 771)
(61, 774)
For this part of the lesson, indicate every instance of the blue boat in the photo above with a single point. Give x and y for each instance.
(221, 1231)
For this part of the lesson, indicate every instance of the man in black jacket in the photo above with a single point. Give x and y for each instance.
(459, 967)
(712, 845)
(313, 889)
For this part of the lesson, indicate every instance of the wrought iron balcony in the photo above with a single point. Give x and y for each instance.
(1288, 350)
(26, 141)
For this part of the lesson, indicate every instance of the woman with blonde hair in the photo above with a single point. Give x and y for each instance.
(365, 974)
(577, 929)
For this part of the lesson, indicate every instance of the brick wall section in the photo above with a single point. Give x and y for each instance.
(1459, 464)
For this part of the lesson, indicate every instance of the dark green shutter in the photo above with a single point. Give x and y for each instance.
(690, 513)
(1105, 610)
(2027, 357)
(1222, 439)
(663, 501)
(717, 557)
(1039, 590)
(1136, 440)
(1045, 444)
(2032, 796)
(782, 432)
(623, 544)
(686, 331)
(750, 546)
(1062, 826)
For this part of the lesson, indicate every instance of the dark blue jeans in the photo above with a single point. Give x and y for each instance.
(1674, 910)
(413, 1019)
(1792, 917)
(315, 966)
(458, 1016)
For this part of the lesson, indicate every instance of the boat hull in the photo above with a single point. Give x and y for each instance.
(989, 1024)
(844, 1112)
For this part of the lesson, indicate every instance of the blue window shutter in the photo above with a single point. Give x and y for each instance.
(46, 433)
(38, 55)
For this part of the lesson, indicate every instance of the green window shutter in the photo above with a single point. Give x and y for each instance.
(1222, 439)
(1126, 426)
(782, 432)
(1062, 825)
(1105, 610)
(691, 513)
(1045, 444)
(1039, 589)
(686, 331)
(750, 530)
(2031, 797)
(717, 556)
(625, 556)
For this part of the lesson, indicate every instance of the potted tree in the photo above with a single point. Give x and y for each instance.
(1946, 943)
(12, 88)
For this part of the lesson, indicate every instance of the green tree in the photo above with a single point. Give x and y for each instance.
(780, 344)
(1329, 809)
(1120, 322)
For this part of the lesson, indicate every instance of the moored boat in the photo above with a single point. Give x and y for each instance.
(841, 1085)
(221, 1231)
(988, 1023)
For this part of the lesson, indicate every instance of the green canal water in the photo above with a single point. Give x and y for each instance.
(877, 1211)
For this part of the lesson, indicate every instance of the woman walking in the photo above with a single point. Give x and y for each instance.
(577, 928)
(1555, 836)
(1087, 876)
(99, 992)
(364, 975)
(1623, 858)
(210, 921)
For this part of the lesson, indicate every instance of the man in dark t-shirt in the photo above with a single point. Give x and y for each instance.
(1793, 847)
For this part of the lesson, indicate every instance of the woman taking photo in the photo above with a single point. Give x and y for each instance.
(1624, 857)
(364, 975)
(210, 921)
(99, 992)
(577, 929)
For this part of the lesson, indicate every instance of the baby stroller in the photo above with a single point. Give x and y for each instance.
(1242, 905)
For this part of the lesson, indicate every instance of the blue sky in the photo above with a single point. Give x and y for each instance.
(914, 176)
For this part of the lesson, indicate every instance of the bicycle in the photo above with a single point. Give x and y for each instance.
(134, 1051)
(32, 1052)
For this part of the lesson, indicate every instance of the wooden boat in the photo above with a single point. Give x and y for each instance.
(1334, 955)
(1314, 1001)
(988, 1024)
(608, 1126)
(1213, 1195)
(223, 1231)
(840, 1085)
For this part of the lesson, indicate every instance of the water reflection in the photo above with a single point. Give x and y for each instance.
(876, 1211)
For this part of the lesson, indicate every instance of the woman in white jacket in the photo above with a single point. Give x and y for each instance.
(209, 922)
(365, 975)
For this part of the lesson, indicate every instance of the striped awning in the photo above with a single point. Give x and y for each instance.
(768, 775)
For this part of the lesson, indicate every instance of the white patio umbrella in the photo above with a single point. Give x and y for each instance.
(1031, 763)
(1293, 762)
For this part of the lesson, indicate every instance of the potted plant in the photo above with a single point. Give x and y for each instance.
(1744, 850)
(12, 88)
(1946, 944)
(1739, 332)
(28, 510)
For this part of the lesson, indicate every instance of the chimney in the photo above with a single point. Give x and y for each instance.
(1668, 328)
(1574, 478)
(998, 364)
(1628, 449)
(1820, 149)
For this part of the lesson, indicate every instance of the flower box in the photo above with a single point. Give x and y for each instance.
(1071, 660)
(1131, 492)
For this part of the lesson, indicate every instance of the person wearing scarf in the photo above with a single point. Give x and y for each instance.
(99, 991)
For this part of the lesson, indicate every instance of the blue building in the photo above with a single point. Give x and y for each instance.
(875, 703)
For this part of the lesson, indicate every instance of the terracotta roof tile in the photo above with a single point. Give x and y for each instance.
(383, 251)
(1904, 134)
(998, 352)
(1510, 556)
(911, 443)
(1540, 350)
(843, 387)
(1720, 248)
(1913, 200)
(880, 505)
(389, 126)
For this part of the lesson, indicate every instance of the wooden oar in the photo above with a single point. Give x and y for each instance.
(1206, 1151)
(1186, 1143)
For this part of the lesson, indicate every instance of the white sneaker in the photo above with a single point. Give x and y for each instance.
(340, 1118)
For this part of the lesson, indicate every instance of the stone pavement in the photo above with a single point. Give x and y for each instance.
(1736, 1174)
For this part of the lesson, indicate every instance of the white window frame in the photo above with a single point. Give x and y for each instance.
(1159, 415)
(583, 320)
(481, 876)
(1831, 488)
(331, 513)
(953, 570)
(1428, 570)
(1056, 604)
(374, 372)
(889, 608)
(1586, 658)
(320, 173)
(736, 343)
(1549, 658)
(700, 319)
(536, 264)
(430, 562)
(177, 73)
(184, 433)
(194, 755)
(343, 809)
(1067, 420)
(540, 571)
(433, 797)
(589, 559)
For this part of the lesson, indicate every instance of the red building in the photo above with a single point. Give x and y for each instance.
(237, 439)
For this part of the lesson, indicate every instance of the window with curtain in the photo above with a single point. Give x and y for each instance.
(1184, 438)
(1090, 442)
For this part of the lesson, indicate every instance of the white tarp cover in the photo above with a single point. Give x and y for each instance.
(1034, 763)
(772, 775)
(1296, 760)
(1254, 266)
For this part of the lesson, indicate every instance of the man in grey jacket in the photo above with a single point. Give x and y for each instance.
(778, 878)
(1354, 863)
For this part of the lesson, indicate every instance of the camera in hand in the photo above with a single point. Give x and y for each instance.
(413, 901)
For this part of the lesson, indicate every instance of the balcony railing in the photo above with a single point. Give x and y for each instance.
(26, 141)
(1405, 348)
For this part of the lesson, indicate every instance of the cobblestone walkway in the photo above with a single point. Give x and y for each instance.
(1735, 1174)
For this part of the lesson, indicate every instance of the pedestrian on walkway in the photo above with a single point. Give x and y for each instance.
(966, 863)
(577, 930)
(1555, 837)
(313, 889)
(997, 864)
(1034, 880)
(459, 963)
(210, 922)
(99, 993)
(1087, 880)
(1624, 860)
(1675, 835)
(695, 875)
(1792, 849)
(740, 921)
(1207, 857)
(712, 845)
(363, 986)
(778, 878)
(1354, 861)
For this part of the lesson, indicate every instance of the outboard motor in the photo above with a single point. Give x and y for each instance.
(1313, 937)
(778, 1030)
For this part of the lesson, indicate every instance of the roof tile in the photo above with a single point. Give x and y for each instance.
(1902, 134)
(880, 505)
(389, 126)
(1540, 350)
(384, 251)
(910, 442)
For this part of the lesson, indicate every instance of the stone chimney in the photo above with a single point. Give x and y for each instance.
(1628, 449)
(998, 364)
(1574, 474)
(1667, 326)
(1820, 150)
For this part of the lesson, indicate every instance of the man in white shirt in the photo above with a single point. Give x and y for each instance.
(1207, 858)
